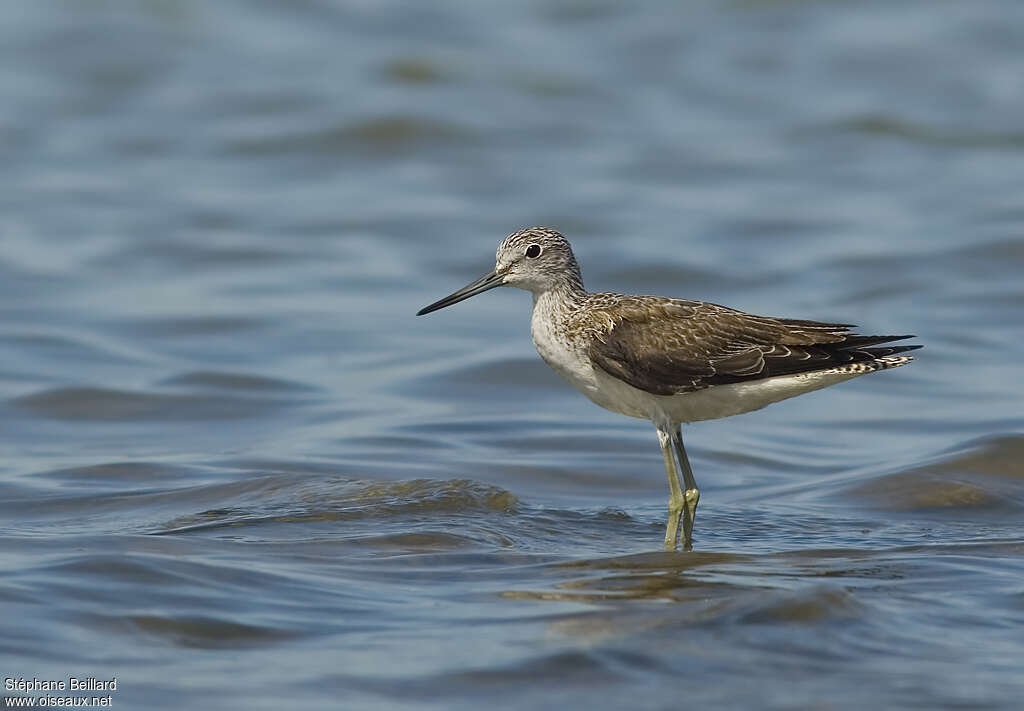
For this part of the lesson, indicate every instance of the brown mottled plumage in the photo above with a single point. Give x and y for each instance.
(671, 346)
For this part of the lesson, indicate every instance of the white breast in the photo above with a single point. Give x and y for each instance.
(556, 347)
(566, 354)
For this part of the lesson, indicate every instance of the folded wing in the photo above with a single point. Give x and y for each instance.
(672, 346)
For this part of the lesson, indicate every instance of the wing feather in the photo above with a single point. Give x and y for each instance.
(671, 346)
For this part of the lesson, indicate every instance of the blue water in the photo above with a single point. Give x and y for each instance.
(238, 471)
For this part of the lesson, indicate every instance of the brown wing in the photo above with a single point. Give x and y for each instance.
(671, 346)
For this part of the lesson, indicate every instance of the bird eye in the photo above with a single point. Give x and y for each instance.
(533, 251)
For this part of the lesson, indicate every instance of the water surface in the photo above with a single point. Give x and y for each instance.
(238, 471)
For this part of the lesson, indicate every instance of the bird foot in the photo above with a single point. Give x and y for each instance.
(690, 497)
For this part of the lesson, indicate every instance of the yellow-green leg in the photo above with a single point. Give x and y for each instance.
(676, 500)
(691, 495)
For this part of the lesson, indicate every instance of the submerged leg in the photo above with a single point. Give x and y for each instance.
(692, 494)
(675, 492)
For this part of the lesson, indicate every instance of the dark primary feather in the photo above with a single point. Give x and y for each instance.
(671, 346)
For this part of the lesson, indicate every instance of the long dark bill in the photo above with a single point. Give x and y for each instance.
(488, 281)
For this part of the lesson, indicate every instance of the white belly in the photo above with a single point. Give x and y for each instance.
(710, 403)
(736, 398)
